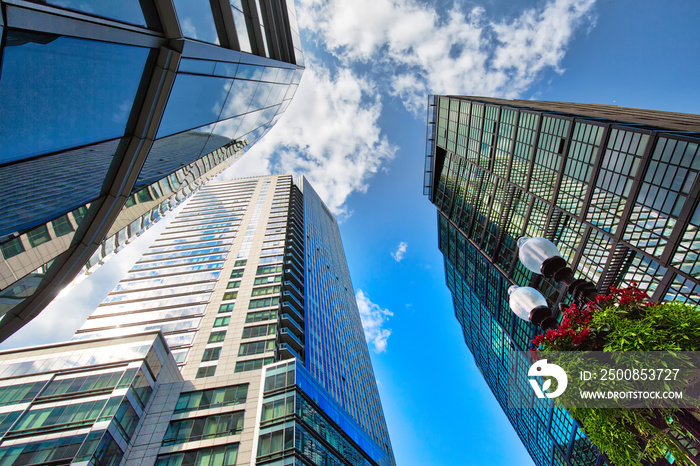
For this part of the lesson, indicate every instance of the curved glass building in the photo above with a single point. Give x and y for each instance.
(104, 101)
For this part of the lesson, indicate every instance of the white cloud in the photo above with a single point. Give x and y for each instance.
(460, 53)
(330, 134)
(400, 251)
(373, 319)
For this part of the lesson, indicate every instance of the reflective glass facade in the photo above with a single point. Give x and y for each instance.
(80, 401)
(245, 317)
(615, 189)
(123, 96)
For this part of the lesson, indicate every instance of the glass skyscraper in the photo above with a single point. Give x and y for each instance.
(103, 100)
(250, 290)
(616, 189)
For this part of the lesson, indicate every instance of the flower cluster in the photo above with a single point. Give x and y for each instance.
(630, 296)
(574, 331)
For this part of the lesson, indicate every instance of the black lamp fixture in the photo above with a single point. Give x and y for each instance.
(541, 256)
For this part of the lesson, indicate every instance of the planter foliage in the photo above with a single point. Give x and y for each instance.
(625, 320)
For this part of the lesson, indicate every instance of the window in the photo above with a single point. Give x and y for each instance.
(222, 321)
(266, 280)
(260, 316)
(217, 337)
(45, 451)
(12, 248)
(235, 284)
(259, 330)
(237, 273)
(205, 372)
(256, 347)
(62, 226)
(267, 269)
(278, 441)
(230, 295)
(200, 428)
(126, 419)
(270, 259)
(38, 235)
(240, 263)
(226, 307)
(265, 302)
(222, 455)
(211, 354)
(14, 394)
(278, 408)
(266, 290)
(42, 419)
(253, 364)
(212, 398)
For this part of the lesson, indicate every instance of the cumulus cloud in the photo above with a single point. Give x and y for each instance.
(330, 134)
(400, 251)
(373, 320)
(462, 52)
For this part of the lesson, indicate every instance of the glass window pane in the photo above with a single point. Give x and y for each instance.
(38, 236)
(62, 226)
(12, 248)
(71, 91)
(194, 101)
(128, 11)
(197, 20)
(241, 28)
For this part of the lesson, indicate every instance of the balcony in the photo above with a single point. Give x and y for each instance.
(295, 313)
(287, 336)
(284, 351)
(291, 323)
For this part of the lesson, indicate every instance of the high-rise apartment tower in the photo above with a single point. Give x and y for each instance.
(250, 290)
(616, 189)
(105, 104)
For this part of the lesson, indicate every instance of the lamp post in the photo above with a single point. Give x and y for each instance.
(542, 257)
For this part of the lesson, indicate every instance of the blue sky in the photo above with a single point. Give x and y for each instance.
(356, 129)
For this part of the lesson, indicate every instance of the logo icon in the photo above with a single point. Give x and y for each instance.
(542, 369)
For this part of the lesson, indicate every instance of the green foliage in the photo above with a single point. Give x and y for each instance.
(628, 436)
(625, 321)
(671, 326)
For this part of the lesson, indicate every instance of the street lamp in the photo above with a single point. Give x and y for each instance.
(529, 304)
(541, 256)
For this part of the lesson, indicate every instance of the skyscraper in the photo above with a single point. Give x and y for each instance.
(101, 102)
(250, 289)
(616, 189)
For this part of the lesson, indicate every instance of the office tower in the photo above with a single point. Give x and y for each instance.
(249, 286)
(616, 189)
(102, 101)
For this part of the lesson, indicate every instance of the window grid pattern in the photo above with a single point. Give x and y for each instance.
(522, 153)
(595, 253)
(645, 272)
(504, 142)
(548, 156)
(687, 255)
(618, 169)
(683, 289)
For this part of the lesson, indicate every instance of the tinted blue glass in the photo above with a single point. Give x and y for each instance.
(194, 101)
(128, 11)
(37, 190)
(191, 65)
(69, 91)
(228, 129)
(239, 98)
(250, 72)
(241, 29)
(197, 20)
